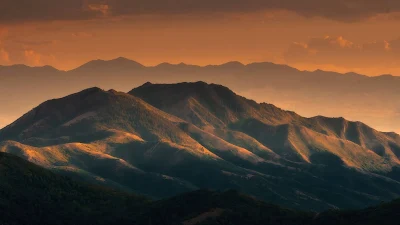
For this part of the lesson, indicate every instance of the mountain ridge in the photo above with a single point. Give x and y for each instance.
(234, 63)
(268, 114)
(280, 85)
(182, 137)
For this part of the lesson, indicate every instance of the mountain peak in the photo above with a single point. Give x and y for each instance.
(22, 67)
(235, 64)
(113, 91)
(113, 64)
(166, 65)
(86, 92)
(146, 84)
(124, 60)
(185, 88)
(88, 111)
(121, 59)
(207, 104)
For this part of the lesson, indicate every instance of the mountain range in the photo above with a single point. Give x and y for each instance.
(373, 100)
(160, 140)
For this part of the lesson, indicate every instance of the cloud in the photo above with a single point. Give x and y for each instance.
(4, 57)
(82, 35)
(3, 32)
(44, 10)
(35, 43)
(340, 52)
(33, 58)
(102, 8)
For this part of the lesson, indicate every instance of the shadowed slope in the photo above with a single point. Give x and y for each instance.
(33, 195)
(289, 135)
(208, 104)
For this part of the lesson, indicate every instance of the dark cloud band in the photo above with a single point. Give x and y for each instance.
(342, 10)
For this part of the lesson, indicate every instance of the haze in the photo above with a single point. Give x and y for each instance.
(332, 35)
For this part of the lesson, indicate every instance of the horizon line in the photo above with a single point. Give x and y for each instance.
(194, 65)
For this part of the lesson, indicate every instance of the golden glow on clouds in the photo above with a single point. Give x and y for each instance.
(103, 8)
(32, 58)
(370, 46)
(379, 56)
(4, 57)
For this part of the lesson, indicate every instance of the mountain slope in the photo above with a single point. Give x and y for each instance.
(286, 133)
(120, 140)
(83, 131)
(208, 104)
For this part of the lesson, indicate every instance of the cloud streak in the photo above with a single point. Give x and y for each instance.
(341, 52)
(49, 10)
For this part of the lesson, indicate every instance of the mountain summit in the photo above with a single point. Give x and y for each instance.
(209, 104)
(116, 64)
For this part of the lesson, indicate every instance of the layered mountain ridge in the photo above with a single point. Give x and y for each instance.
(373, 100)
(188, 136)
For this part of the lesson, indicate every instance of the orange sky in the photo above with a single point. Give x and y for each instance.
(366, 42)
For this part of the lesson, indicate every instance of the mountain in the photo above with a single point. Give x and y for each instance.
(215, 107)
(190, 136)
(33, 195)
(114, 65)
(373, 100)
(77, 134)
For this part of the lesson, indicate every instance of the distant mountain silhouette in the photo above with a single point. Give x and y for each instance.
(111, 65)
(188, 136)
(23, 68)
(373, 100)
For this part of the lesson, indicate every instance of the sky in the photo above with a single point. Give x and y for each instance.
(338, 35)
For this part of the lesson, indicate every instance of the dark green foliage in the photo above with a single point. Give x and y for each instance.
(32, 195)
(235, 207)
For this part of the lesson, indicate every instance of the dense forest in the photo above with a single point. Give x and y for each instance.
(33, 195)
